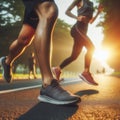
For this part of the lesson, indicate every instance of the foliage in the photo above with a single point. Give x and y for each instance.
(10, 12)
(112, 31)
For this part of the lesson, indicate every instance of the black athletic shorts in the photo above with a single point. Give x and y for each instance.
(30, 15)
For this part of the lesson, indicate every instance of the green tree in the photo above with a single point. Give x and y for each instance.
(111, 26)
(11, 13)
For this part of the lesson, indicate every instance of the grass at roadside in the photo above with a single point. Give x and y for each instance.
(65, 74)
(117, 74)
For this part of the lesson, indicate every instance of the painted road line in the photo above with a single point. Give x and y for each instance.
(66, 81)
(19, 89)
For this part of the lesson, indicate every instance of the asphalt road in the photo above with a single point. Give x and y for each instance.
(18, 85)
(98, 102)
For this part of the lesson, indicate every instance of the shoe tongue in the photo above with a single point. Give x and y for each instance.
(54, 82)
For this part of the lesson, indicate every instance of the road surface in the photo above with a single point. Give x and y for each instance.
(98, 102)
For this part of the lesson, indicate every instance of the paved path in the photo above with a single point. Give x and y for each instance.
(98, 103)
(18, 85)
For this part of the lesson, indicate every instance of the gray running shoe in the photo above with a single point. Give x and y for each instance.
(55, 94)
(7, 72)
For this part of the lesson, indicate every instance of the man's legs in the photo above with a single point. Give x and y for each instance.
(16, 49)
(51, 91)
(47, 13)
(19, 45)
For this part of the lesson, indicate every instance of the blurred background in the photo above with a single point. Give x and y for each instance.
(104, 33)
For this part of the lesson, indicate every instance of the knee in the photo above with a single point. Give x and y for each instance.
(91, 49)
(48, 11)
(53, 13)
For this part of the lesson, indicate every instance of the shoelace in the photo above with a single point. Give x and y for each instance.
(56, 85)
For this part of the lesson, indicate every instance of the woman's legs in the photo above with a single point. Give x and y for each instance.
(86, 75)
(88, 57)
(77, 47)
(76, 50)
(85, 41)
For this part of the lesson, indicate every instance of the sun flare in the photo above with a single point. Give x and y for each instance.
(101, 55)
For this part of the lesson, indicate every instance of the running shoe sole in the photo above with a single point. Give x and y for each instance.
(46, 99)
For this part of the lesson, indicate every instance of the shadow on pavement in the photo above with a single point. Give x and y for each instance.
(87, 92)
(45, 111)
